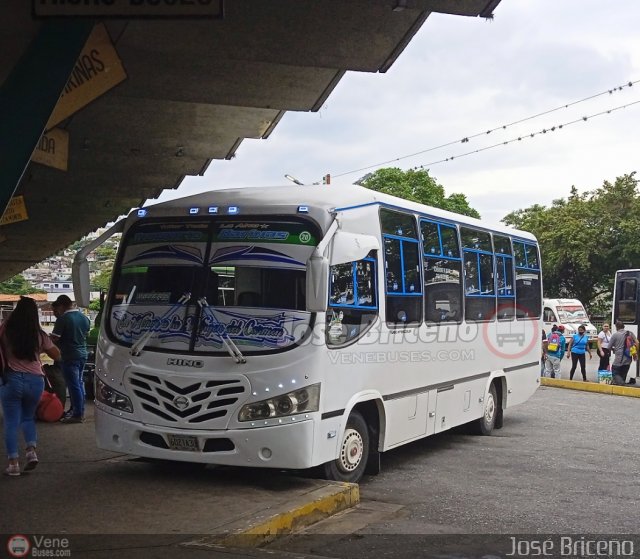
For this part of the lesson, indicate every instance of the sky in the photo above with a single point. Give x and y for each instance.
(462, 76)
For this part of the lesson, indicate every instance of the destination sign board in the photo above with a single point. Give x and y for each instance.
(97, 70)
(128, 8)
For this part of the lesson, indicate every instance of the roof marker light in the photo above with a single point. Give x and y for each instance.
(303, 209)
(233, 209)
(213, 209)
(142, 212)
(194, 211)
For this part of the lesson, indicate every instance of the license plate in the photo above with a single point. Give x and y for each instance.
(183, 442)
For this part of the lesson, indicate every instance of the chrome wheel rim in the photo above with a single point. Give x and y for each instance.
(490, 409)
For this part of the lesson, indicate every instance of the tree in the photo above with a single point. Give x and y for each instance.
(105, 253)
(18, 285)
(585, 238)
(102, 280)
(417, 186)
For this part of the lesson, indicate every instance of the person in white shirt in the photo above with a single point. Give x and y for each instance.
(604, 352)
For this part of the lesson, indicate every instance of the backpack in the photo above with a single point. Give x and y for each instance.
(630, 349)
(553, 343)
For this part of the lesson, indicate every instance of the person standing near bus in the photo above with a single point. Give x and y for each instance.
(578, 346)
(604, 352)
(555, 350)
(23, 380)
(70, 333)
(622, 357)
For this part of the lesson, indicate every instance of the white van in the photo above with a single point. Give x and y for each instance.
(569, 313)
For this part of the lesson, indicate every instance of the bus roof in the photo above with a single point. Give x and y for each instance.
(343, 197)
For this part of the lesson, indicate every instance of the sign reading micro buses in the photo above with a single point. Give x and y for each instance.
(128, 8)
(97, 70)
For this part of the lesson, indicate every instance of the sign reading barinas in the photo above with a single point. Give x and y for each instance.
(128, 8)
(97, 70)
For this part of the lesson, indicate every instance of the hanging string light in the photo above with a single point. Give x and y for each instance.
(466, 139)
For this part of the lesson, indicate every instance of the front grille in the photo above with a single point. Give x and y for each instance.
(186, 401)
(153, 439)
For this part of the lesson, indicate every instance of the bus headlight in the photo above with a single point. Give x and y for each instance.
(111, 397)
(302, 400)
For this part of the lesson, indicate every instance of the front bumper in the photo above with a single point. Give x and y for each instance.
(281, 446)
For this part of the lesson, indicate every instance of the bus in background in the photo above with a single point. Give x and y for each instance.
(296, 327)
(569, 313)
(626, 299)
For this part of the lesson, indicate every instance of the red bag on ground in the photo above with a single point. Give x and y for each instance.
(50, 407)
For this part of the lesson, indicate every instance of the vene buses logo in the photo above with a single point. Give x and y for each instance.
(19, 545)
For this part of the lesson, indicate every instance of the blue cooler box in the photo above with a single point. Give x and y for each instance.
(604, 377)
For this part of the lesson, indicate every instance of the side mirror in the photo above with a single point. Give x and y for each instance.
(81, 281)
(317, 283)
(80, 268)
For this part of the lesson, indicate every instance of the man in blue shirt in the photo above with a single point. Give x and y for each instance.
(69, 334)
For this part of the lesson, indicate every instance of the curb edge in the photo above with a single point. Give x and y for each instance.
(302, 512)
(611, 389)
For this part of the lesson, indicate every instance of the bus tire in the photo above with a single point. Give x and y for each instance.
(354, 451)
(485, 425)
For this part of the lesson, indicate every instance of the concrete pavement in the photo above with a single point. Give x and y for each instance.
(105, 501)
(80, 490)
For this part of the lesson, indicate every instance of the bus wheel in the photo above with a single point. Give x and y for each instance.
(354, 451)
(485, 425)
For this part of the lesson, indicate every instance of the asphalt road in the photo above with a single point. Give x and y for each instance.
(566, 462)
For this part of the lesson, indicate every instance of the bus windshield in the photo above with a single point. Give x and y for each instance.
(188, 285)
(571, 314)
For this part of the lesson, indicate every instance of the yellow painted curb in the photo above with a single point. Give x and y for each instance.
(592, 387)
(301, 512)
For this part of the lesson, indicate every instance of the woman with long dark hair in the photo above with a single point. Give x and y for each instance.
(23, 341)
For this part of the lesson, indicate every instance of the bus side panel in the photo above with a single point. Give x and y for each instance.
(521, 384)
(406, 419)
(459, 404)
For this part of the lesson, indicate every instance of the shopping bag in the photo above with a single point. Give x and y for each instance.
(50, 407)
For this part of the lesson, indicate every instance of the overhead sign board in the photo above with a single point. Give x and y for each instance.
(97, 70)
(53, 149)
(16, 211)
(128, 8)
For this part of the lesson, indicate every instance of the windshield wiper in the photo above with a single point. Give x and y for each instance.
(229, 344)
(142, 341)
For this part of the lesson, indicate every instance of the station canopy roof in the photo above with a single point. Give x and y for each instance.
(191, 91)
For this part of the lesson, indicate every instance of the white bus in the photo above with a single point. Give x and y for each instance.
(626, 307)
(295, 327)
(569, 313)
